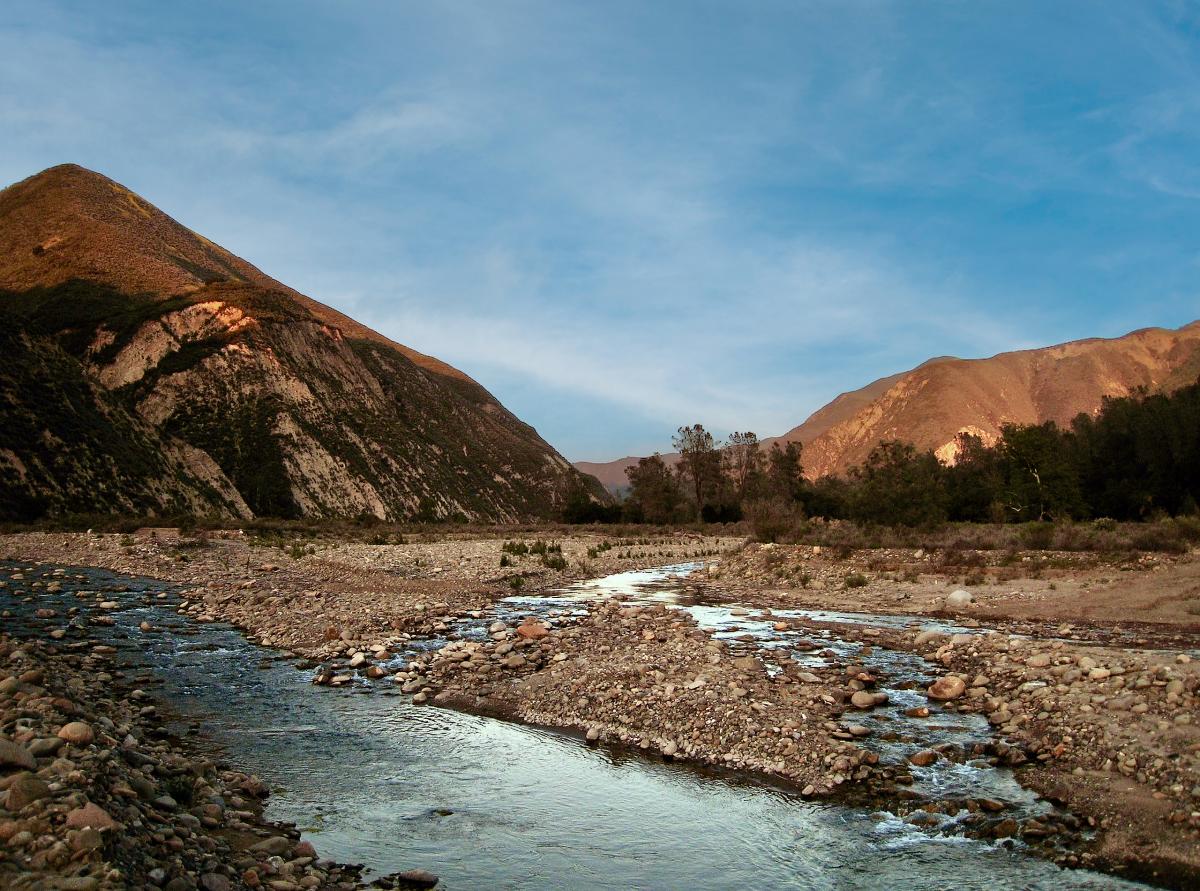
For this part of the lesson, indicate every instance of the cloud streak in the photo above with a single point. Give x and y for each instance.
(628, 217)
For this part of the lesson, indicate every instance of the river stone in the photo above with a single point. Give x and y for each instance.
(958, 599)
(923, 758)
(745, 663)
(416, 878)
(77, 733)
(13, 755)
(212, 881)
(275, 846)
(532, 630)
(87, 839)
(1041, 660)
(24, 791)
(946, 688)
(862, 699)
(92, 815)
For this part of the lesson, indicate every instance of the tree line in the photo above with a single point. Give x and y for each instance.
(1138, 458)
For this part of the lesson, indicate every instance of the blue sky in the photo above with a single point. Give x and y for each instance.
(623, 217)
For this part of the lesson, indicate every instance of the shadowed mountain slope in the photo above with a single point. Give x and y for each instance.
(243, 395)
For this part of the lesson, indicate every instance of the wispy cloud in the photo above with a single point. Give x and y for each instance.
(625, 217)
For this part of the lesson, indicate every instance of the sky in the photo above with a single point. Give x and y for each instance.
(622, 217)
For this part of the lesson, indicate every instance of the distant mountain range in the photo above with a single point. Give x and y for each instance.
(147, 369)
(932, 403)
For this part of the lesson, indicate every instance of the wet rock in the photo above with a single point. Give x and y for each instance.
(923, 758)
(947, 688)
(862, 699)
(415, 878)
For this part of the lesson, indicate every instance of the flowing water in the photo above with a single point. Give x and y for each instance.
(373, 779)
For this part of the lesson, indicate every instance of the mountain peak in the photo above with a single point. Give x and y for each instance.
(183, 377)
(69, 222)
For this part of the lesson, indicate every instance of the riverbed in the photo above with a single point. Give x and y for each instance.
(374, 779)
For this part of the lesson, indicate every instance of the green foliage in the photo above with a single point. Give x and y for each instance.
(654, 494)
(243, 442)
(897, 485)
(1138, 459)
(774, 519)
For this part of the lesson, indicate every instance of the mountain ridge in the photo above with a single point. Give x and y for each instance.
(931, 403)
(270, 401)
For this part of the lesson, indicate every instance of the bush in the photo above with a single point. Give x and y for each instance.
(775, 519)
(855, 580)
(1038, 536)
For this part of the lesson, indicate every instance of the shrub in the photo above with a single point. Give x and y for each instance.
(855, 580)
(1038, 536)
(774, 519)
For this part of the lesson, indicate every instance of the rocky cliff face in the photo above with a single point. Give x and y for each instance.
(934, 402)
(237, 394)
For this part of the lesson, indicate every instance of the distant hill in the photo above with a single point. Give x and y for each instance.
(929, 405)
(148, 369)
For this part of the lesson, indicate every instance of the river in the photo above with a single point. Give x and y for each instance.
(374, 779)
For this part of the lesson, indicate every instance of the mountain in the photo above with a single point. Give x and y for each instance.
(932, 403)
(148, 369)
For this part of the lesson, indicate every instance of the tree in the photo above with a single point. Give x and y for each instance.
(897, 485)
(1040, 479)
(743, 463)
(785, 472)
(699, 461)
(654, 491)
(974, 483)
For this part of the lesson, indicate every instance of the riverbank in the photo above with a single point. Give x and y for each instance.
(1092, 672)
(652, 678)
(99, 795)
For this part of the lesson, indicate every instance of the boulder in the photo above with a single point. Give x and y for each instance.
(958, 599)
